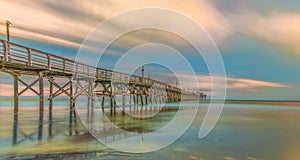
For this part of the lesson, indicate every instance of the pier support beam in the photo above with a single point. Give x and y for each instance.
(66, 89)
(123, 102)
(50, 95)
(102, 103)
(83, 86)
(41, 93)
(142, 101)
(130, 97)
(15, 130)
(92, 93)
(40, 127)
(146, 99)
(150, 98)
(111, 105)
(50, 135)
(16, 93)
(71, 95)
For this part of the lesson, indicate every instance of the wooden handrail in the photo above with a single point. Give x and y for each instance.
(35, 56)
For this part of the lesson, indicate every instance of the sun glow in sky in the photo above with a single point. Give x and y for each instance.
(258, 40)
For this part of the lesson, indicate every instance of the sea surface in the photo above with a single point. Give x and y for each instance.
(246, 130)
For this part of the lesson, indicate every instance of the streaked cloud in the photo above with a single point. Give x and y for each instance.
(69, 22)
(279, 27)
(204, 82)
(240, 83)
(236, 87)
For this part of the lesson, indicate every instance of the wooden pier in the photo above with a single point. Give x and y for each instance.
(18, 60)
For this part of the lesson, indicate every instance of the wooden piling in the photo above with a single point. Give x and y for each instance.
(146, 98)
(142, 101)
(123, 102)
(103, 100)
(41, 89)
(115, 104)
(72, 100)
(50, 135)
(111, 105)
(15, 130)
(40, 127)
(134, 101)
(16, 94)
(50, 94)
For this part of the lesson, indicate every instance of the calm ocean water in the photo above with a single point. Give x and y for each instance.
(251, 131)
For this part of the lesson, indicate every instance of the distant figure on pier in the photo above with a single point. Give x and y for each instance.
(202, 96)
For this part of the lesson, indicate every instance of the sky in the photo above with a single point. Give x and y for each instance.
(258, 40)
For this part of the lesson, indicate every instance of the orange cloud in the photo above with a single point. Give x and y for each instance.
(68, 23)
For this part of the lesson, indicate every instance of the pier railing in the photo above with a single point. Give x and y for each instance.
(23, 56)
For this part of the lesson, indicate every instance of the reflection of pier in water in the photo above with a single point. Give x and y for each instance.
(40, 134)
(125, 118)
(130, 121)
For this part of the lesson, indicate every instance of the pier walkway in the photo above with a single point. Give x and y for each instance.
(19, 60)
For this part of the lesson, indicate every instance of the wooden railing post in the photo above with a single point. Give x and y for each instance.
(49, 62)
(97, 73)
(64, 65)
(29, 57)
(6, 51)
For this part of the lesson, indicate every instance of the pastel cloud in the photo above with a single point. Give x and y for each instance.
(33, 20)
(279, 27)
(69, 22)
(234, 85)
(240, 83)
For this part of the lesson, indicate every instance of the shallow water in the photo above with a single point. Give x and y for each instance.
(244, 131)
